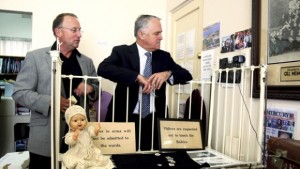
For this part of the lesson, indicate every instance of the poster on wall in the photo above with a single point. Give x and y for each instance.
(206, 64)
(190, 43)
(211, 36)
(180, 45)
(280, 123)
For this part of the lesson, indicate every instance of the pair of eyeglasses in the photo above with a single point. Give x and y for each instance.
(74, 30)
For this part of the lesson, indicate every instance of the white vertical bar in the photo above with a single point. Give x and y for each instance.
(85, 84)
(232, 112)
(242, 119)
(261, 110)
(225, 111)
(235, 149)
(190, 102)
(167, 100)
(153, 115)
(202, 101)
(211, 114)
(250, 113)
(55, 108)
(70, 90)
(173, 90)
(99, 100)
(127, 103)
(114, 102)
(140, 119)
(178, 98)
(218, 111)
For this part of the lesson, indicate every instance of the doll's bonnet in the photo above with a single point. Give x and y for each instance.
(73, 110)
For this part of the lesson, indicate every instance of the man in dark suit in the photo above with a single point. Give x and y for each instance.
(126, 65)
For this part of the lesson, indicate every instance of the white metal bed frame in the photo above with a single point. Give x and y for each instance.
(220, 133)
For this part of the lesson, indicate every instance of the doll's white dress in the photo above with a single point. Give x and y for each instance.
(82, 153)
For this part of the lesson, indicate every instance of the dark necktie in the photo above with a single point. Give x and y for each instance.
(145, 96)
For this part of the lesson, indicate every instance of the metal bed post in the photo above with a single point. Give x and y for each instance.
(263, 72)
(99, 100)
(211, 111)
(225, 113)
(218, 110)
(55, 108)
(232, 111)
(241, 109)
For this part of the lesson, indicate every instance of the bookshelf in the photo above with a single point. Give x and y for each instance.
(14, 127)
(10, 66)
(15, 118)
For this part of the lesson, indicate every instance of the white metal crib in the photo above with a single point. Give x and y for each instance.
(235, 118)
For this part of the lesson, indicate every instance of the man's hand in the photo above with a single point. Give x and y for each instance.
(64, 104)
(80, 90)
(157, 79)
(147, 87)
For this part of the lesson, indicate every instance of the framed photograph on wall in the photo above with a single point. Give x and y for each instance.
(276, 43)
(283, 31)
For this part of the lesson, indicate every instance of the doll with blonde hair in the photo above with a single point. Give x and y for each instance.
(82, 153)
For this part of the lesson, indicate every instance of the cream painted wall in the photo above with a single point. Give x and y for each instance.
(109, 23)
(235, 16)
(105, 23)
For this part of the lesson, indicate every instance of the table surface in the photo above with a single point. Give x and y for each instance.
(15, 160)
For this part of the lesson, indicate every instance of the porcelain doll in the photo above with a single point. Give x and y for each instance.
(82, 153)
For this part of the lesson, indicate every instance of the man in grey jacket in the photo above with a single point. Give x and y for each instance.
(32, 88)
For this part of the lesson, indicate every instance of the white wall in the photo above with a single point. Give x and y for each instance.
(105, 23)
(15, 25)
(235, 16)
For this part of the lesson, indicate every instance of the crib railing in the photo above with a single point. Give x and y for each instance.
(234, 122)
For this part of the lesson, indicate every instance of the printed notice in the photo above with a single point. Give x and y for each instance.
(115, 138)
(180, 134)
(290, 73)
(206, 64)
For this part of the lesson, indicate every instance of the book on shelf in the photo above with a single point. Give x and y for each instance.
(21, 110)
(1, 61)
(10, 65)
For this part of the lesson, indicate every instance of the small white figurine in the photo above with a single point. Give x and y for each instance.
(82, 153)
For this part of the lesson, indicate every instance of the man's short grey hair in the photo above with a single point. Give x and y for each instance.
(59, 20)
(142, 22)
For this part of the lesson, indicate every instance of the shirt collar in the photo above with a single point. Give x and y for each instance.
(141, 50)
(53, 47)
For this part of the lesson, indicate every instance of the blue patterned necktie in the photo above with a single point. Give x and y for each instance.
(145, 96)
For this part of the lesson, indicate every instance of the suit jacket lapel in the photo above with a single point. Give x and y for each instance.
(134, 57)
(49, 62)
(155, 62)
(81, 62)
(48, 58)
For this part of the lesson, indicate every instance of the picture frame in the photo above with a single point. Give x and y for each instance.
(276, 85)
(283, 31)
